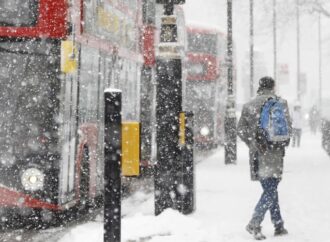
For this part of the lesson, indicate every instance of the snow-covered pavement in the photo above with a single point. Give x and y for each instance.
(225, 198)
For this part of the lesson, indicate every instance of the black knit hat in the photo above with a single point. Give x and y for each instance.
(266, 83)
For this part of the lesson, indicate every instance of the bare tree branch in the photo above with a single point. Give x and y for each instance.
(316, 6)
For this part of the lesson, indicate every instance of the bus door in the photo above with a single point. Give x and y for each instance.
(67, 166)
(105, 81)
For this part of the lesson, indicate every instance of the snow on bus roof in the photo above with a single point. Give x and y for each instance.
(204, 27)
(112, 90)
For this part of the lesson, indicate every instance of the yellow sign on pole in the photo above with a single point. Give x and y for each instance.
(182, 129)
(68, 57)
(130, 159)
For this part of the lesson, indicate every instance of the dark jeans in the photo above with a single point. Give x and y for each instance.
(268, 201)
(296, 136)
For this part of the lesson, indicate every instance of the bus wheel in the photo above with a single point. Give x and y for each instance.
(48, 218)
(84, 180)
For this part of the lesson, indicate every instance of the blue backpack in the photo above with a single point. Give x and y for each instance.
(273, 129)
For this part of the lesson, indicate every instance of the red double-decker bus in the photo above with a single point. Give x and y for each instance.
(57, 57)
(205, 83)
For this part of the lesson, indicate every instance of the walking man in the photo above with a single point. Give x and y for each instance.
(266, 156)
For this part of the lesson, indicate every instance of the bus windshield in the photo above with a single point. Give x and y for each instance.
(202, 43)
(28, 97)
(17, 13)
(202, 91)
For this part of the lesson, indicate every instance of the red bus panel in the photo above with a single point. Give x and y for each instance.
(149, 45)
(202, 67)
(204, 53)
(50, 22)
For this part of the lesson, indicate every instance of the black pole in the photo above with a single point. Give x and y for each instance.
(112, 165)
(168, 8)
(230, 116)
(168, 108)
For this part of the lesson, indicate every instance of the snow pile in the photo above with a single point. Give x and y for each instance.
(92, 232)
(169, 225)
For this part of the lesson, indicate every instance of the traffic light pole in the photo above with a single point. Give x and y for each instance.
(230, 116)
(168, 108)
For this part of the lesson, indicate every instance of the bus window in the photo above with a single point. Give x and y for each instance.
(202, 43)
(28, 98)
(17, 13)
(88, 85)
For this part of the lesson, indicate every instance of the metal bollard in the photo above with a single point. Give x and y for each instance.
(112, 165)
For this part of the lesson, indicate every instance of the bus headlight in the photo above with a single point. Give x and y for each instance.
(205, 131)
(32, 179)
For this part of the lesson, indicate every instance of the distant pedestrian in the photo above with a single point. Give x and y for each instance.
(266, 155)
(297, 120)
(314, 119)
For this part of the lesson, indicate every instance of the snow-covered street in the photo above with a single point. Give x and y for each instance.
(225, 200)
